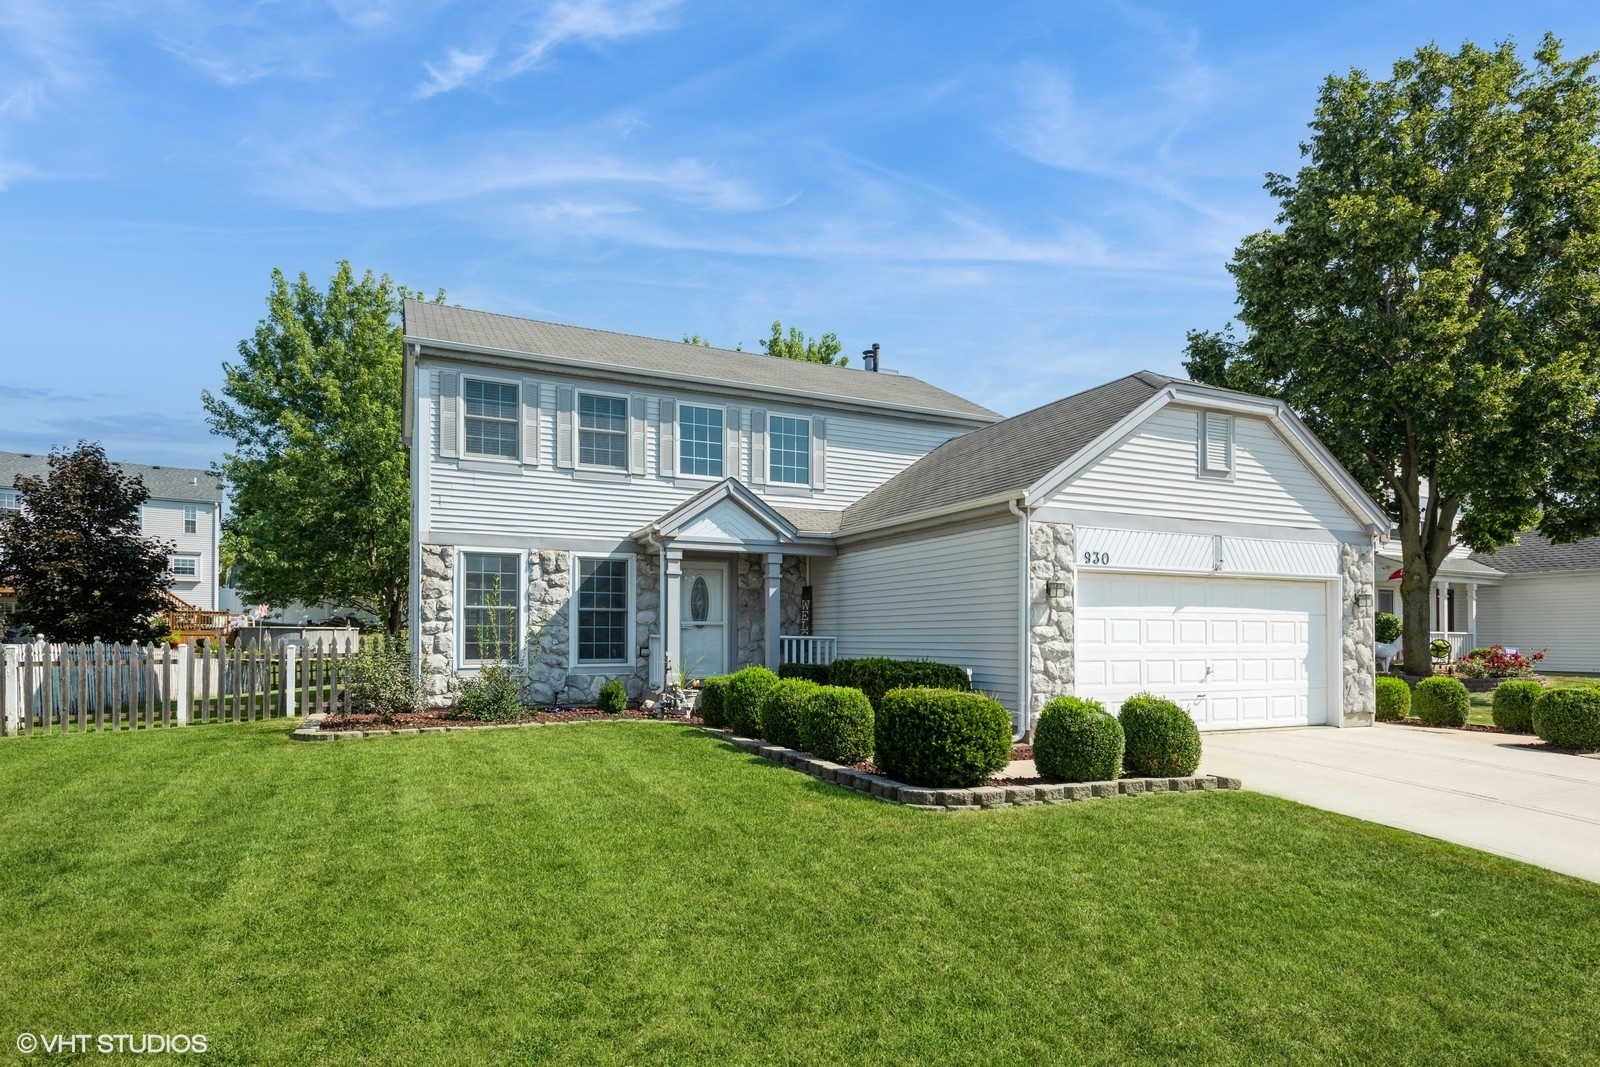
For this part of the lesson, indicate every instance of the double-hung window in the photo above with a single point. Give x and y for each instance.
(10, 500)
(602, 610)
(491, 418)
(602, 431)
(788, 450)
(191, 518)
(700, 441)
(489, 591)
(185, 566)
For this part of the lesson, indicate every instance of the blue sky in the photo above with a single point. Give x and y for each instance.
(1016, 200)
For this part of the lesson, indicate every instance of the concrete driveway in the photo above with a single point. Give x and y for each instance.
(1478, 789)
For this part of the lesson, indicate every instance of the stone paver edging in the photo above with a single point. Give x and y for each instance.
(994, 796)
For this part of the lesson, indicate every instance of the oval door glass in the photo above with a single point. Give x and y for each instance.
(699, 600)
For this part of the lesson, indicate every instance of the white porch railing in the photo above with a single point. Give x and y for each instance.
(819, 650)
(1461, 642)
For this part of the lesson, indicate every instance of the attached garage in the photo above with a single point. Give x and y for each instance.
(1235, 652)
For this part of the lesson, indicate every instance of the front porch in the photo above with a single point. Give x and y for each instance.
(1452, 600)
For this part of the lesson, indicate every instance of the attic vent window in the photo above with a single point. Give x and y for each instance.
(1216, 445)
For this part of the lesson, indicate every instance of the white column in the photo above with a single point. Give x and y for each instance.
(1472, 616)
(10, 690)
(290, 657)
(671, 630)
(180, 686)
(774, 606)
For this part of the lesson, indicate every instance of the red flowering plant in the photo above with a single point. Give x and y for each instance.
(1498, 661)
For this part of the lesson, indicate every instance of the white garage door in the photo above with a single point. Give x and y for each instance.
(1234, 652)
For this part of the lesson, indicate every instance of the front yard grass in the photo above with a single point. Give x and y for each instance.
(637, 892)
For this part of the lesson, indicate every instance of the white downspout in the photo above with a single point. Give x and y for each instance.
(1024, 681)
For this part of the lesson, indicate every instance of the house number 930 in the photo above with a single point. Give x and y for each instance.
(1097, 558)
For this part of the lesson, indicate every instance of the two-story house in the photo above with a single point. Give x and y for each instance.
(598, 505)
(184, 508)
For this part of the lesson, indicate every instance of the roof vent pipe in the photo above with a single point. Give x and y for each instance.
(870, 356)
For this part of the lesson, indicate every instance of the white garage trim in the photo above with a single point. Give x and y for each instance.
(1236, 652)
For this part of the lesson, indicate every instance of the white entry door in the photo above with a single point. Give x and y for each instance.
(1234, 652)
(703, 606)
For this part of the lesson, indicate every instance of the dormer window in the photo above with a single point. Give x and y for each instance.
(1216, 445)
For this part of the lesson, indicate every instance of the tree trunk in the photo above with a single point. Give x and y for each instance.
(1416, 605)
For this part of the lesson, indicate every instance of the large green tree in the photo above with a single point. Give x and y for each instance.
(796, 345)
(75, 554)
(319, 483)
(1430, 302)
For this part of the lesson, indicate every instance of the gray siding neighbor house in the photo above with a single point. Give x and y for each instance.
(598, 505)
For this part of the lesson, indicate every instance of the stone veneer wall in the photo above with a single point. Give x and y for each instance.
(794, 580)
(1359, 664)
(1050, 622)
(436, 612)
(750, 611)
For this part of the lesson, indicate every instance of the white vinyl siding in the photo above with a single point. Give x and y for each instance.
(165, 521)
(492, 412)
(1154, 473)
(951, 596)
(701, 441)
(553, 500)
(603, 431)
(1555, 612)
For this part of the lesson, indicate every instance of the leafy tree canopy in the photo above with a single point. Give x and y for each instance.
(318, 479)
(796, 345)
(75, 554)
(1431, 301)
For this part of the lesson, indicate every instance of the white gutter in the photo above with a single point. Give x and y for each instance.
(1024, 681)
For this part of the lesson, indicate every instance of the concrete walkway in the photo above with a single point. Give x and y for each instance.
(1478, 789)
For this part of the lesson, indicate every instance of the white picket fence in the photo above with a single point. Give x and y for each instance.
(58, 688)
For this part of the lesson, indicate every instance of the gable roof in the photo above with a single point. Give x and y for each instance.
(1006, 457)
(683, 516)
(1534, 552)
(188, 485)
(481, 331)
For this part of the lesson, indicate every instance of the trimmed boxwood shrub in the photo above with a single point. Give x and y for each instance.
(1077, 741)
(1161, 738)
(836, 724)
(1386, 628)
(1441, 702)
(941, 738)
(811, 672)
(1513, 705)
(877, 676)
(1394, 699)
(713, 700)
(1569, 717)
(613, 697)
(743, 703)
(781, 708)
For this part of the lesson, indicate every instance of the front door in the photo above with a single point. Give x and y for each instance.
(702, 610)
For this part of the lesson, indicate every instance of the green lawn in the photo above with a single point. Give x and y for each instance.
(1482, 709)
(640, 892)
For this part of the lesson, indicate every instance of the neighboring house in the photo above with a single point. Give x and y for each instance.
(1548, 599)
(600, 505)
(184, 508)
(1457, 601)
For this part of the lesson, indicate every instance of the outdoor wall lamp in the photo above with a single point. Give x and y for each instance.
(1363, 600)
(1055, 590)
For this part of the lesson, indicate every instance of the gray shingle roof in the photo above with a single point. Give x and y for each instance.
(1005, 457)
(1534, 552)
(812, 520)
(1452, 567)
(185, 484)
(673, 359)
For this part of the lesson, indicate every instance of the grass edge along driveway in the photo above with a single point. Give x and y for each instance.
(640, 892)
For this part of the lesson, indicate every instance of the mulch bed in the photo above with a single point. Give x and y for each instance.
(447, 717)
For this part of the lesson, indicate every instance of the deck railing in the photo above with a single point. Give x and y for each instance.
(1461, 642)
(810, 649)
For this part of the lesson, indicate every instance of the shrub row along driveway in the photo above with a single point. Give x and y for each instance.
(1484, 790)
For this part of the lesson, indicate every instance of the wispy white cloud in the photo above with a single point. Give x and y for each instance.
(455, 71)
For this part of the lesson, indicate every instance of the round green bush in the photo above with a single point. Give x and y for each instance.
(1513, 705)
(713, 700)
(613, 697)
(876, 676)
(1394, 699)
(1441, 701)
(941, 738)
(1569, 717)
(811, 672)
(1386, 628)
(1077, 741)
(836, 724)
(781, 708)
(1161, 738)
(743, 703)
